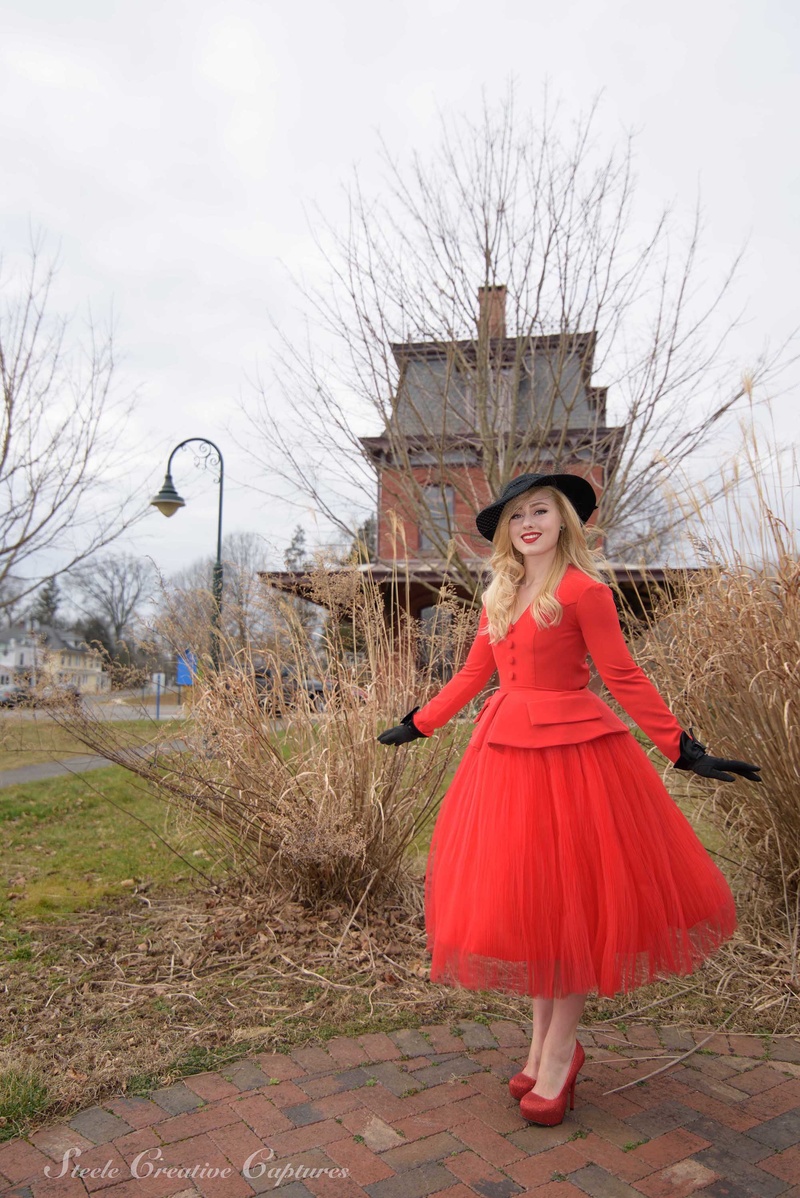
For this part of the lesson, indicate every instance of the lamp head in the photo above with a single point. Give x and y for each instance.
(168, 500)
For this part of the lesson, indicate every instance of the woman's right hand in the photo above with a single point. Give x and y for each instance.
(403, 732)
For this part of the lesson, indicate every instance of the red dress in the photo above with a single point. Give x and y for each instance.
(559, 863)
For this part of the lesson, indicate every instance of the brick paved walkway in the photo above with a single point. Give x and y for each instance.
(425, 1112)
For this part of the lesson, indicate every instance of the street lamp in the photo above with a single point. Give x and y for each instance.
(168, 501)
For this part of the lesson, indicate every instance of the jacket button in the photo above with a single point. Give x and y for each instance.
(511, 645)
(513, 677)
(512, 661)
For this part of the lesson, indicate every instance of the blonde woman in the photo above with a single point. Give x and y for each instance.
(559, 864)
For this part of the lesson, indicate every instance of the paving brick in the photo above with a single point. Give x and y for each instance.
(509, 1035)
(292, 1189)
(201, 1159)
(451, 1092)
(245, 1075)
(303, 1114)
(671, 1147)
(442, 1039)
(210, 1086)
(136, 1141)
(283, 1093)
(720, 1161)
(420, 1151)
(489, 1144)
(333, 1083)
(738, 1143)
(534, 1139)
(104, 1161)
(538, 1169)
(784, 1164)
(667, 1116)
(346, 1052)
(625, 1165)
(756, 1081)
(61, 1187)
(678, 1180)
(776, 1101)
(339, 1104)
(393, 1078)
(194, 1123)
(745, 1046)
(98, 1125)
(58, 1139)
(475, 1035)
(780, 1132)
(642, 1035)
(411, 1042)
(735, 1115)
(730, 1189)
(313, 1059)
(607, 1125)
(363, 1161)
(280, 1065)
(717, 1042)
(676, 1038)
(383, 1103)
(177, 1099)
(299, 1170)
(481, 1177)
(500, 1118)
(435, 1075)
(376, 1133)
(238, 1142)
(594, 1180)
(414, 1064)
(378, 1046)
(260, 1115)
(415, 1183)
(785, 1049)
(300, 1139)
(724, 1092)
(137, 1112)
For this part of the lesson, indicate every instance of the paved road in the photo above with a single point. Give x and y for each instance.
(50, 769)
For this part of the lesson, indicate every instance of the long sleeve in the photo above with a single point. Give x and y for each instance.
(627, 682)
(463, 686)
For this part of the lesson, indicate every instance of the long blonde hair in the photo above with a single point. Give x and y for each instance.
(508, 571)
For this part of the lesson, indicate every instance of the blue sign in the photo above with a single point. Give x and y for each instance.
(186, 668)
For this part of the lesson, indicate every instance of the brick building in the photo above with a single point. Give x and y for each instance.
(467, 415)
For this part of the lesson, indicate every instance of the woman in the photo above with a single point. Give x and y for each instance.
(559, 864)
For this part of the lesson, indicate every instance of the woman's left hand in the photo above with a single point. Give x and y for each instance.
(694, 757)
(403, 732)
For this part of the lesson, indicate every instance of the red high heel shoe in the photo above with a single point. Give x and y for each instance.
(550, 1111)
(520, 1084)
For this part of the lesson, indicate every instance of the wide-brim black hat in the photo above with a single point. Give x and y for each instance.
(578, 491)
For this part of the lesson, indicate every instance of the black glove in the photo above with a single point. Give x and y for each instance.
(403, 732)
(694, 757)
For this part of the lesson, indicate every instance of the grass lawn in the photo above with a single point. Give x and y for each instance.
(71, 842)
(30, 741)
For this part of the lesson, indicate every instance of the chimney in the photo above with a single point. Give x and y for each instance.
(492, 309)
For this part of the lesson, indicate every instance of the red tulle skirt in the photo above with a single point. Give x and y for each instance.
(566, 870)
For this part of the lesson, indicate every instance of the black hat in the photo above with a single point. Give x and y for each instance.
(578, 491)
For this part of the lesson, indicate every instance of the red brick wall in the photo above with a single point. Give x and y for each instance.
(394, 498)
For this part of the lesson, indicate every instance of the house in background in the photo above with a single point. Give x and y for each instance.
(26, 649)
(539, 404)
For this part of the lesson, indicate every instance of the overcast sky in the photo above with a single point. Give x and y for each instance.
(170, 151)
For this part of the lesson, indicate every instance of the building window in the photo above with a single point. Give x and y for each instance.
(440, 502)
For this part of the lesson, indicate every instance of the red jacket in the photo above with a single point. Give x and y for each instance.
(543, 697)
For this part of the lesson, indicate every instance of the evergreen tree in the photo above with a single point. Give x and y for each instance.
(48, 601)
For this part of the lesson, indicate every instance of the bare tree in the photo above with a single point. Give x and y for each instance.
(60, 434)
(114, 588)
(543, 220)
(243, 610)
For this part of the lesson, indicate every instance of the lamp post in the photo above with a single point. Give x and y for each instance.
(168, 501)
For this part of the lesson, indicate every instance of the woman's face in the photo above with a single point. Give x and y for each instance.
(535, 525)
